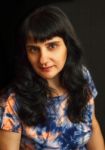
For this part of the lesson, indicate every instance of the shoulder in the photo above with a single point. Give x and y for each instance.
(9, 102)
(87, 75)
(88, 111)
(10, 120)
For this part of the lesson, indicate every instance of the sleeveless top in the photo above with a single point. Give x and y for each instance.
(59, 133)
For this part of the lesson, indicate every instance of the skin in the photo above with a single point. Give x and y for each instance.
(48, 59)
(9, 140)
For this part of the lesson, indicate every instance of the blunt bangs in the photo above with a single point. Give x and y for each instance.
(44, 25)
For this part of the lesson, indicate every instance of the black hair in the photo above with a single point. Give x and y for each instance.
(32, 90)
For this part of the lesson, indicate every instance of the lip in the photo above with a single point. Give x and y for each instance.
(46, 69)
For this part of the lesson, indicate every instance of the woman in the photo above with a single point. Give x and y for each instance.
(50, 104)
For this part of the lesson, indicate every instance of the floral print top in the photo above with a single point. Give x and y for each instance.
(59, 133)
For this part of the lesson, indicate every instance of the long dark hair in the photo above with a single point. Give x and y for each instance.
(31, 90)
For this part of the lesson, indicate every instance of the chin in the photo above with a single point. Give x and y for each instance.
(48, 75)
(47, 78)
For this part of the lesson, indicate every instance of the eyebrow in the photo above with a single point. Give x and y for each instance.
(52, 41)
(48, 41)
(31, 46)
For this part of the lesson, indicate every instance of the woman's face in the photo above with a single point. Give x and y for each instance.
(47, 58)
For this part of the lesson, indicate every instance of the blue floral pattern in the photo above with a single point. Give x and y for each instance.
(59, 133)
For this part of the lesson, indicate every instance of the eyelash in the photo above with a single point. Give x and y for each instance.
(32, 49)
(52, 46)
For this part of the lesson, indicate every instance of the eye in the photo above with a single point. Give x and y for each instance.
(52, 46)
(32, 49)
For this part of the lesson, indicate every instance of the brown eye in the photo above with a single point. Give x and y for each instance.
(52, 45)
(32, 49)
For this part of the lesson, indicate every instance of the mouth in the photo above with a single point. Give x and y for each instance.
(46, 69)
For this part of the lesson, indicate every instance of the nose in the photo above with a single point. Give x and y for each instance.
(43, 57)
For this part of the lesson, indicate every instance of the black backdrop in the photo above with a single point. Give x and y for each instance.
(88, 18)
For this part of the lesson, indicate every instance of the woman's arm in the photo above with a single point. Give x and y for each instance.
(96, 141)
(9, 140)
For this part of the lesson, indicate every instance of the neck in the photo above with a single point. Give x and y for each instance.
(57, 88)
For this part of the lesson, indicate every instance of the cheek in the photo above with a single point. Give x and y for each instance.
(32, 59)
(64, 56)
(61, 59)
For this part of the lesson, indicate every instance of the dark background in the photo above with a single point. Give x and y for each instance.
(88, 18)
